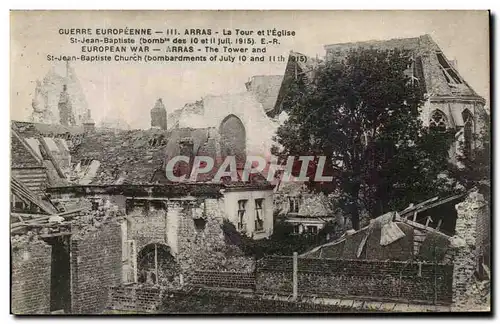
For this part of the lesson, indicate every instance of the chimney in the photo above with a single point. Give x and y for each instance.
(186, 149)
(88, 124)
(159, 115)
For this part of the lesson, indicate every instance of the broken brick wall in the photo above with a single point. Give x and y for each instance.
(135, 299)
(31, 266)
(274, 275)
(202, 301)
(147, 223)
(190, 229)
(382, 280)
(225, 279)
(202, 244)
(483, 239)
(473, 211)
(95, 266)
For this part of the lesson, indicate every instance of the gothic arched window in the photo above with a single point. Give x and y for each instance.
(438, 120)
(468, 131)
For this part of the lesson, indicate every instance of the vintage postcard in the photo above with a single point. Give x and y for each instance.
(255, 162)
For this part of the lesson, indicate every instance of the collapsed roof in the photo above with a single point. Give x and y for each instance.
(394, 236)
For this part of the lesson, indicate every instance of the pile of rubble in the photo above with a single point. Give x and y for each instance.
(478, 296)
(94, 219)
(23, 240)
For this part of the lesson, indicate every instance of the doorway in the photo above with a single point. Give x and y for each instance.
(60, 274)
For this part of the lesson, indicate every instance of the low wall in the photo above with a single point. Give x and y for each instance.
(205, 301)
(135, 299)
(391, 280)
(226, 279)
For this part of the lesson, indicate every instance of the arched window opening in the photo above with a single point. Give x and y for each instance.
(156, 265)
(233, 139)
(468, 132)
(438, 120)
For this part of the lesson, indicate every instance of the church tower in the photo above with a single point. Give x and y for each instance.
(159, 115)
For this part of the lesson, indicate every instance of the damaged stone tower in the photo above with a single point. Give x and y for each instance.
(159, 115)
(59, 98)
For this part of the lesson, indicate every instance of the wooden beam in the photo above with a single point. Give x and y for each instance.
(429, 220)
(410, 209)
(156, 264)
(438, 203)
(439, 224)
(56, 234)
(420, 226)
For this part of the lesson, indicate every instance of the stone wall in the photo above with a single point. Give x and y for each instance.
(31, 266)
(275, 275)
(467, 243)
(135, 298)
(95, 266)
(225, 279)
(381, 280)
(148, 224)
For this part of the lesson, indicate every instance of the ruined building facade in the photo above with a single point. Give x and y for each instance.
(232, 113)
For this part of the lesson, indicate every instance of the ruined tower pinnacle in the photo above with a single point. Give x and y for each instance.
(159, 115)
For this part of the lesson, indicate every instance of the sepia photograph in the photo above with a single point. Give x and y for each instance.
(250, 162)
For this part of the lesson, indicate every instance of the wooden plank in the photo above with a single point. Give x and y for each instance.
(420, 226)
(439, 225)
(51, 157)
(156, 264)
(438, 203)
(20, 189)
(429, 220)
(56, 234)
(409, 210)
(363, 241)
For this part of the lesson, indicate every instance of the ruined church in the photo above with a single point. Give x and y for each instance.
(94, 215)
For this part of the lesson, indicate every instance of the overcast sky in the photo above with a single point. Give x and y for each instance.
(129, 90)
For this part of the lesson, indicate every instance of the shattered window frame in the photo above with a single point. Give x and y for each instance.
(294, 203)
(259, 220)
(241, 213)
(449, 72)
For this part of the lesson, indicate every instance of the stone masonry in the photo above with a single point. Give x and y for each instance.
(95, 267)
(465, 242)
(31, 260)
